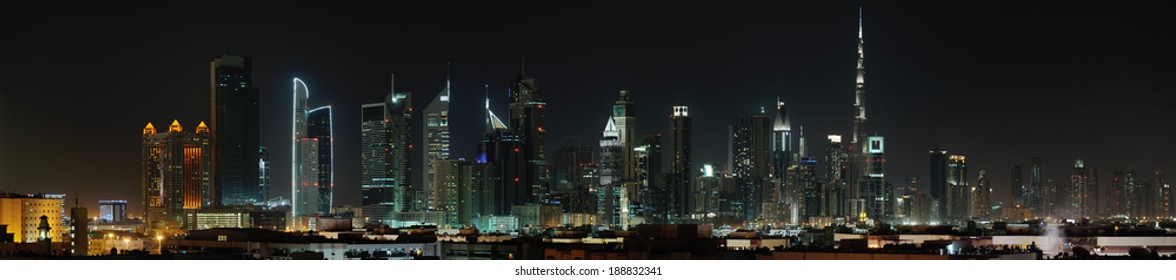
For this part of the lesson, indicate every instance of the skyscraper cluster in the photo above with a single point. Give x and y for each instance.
(770, 178)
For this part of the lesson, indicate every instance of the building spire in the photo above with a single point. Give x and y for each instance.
(445, 95)
(860, 22)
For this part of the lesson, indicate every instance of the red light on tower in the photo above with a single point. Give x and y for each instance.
(516, 179)
(516, 150)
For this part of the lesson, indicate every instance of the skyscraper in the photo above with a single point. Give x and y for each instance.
(527, 118)
(311, 165)
(1018, 185)
(503, 149)
(1117, 195)
(958, 201)
(775, 198)
(175, 173)
(706, 193)
(447, 197)
(836, 170)
(234, 132)
(609, 203)
(319, 127)
(1077, 194)
(263, 171)
(649, 175)
(938, 185)
(878, 195)
(1165, 196)
(858, 149)
(436, 137)
(1131, 186)
(624, 114)
(811, 190)
(376, 182)
(1093, 197)
(386, 143)
(680, 168)
(1033, 195)
(982, 197)
(752, 147)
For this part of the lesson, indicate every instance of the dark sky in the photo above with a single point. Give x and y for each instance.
(998, 82)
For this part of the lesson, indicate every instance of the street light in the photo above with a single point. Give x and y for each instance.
(159, 241)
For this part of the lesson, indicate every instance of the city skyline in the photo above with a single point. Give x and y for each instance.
(813, 77)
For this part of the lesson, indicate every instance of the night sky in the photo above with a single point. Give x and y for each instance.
(998, 82)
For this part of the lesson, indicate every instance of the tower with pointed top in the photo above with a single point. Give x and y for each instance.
(176, 173)
(611, 199)
(502, 149)
(436, 137)
(625, 118)
(781, 141)
(858, 148)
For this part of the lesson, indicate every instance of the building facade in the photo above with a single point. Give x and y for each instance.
(234, 131)
(436, 137)
(680, 165)
(312, 179)
(176, 169)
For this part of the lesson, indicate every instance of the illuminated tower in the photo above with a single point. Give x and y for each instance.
(982, 197)
(234, 131)
(376, 181)
(312, 162)
(836, 167)
(1077, 195)
(781, 141)
(649, 175)
(878, 195)
(502, 149)
(319, 127)
(680, 170)
(958, 201)
(263, 169)
(1018, 186)
(752, 149)
(405, 195)
(610, 192)
(1033, 194)
(436, 137)
(625, 117)
(527, 118)
(781, 158)
(859, 156)
(938, 184)
(176, 169)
